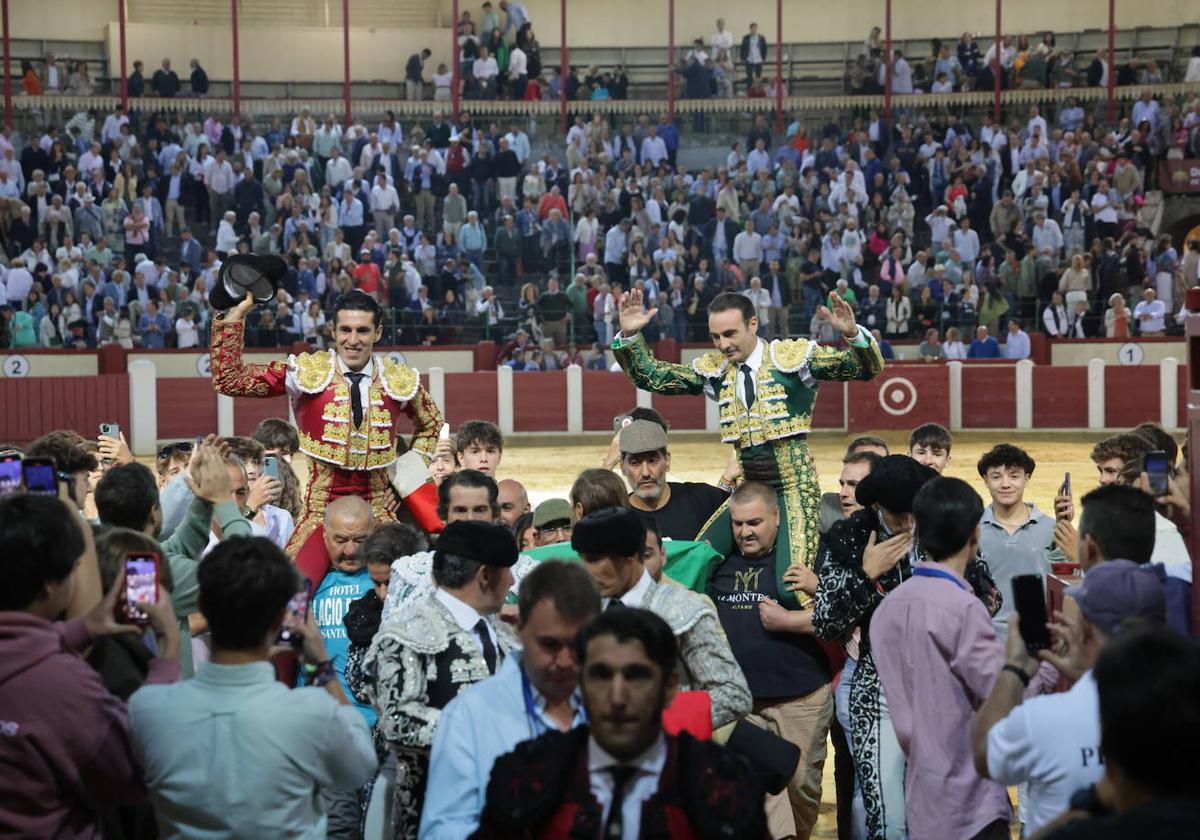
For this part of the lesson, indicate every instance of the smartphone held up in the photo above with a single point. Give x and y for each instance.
(141, 584)
(294, 617)
(1029, 598)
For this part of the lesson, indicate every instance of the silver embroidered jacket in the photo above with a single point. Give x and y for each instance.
(412, 577)
(706, 659)
(418, 661)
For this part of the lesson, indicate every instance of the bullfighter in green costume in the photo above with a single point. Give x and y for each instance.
(766, 393)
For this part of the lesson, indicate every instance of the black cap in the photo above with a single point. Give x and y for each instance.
(893, 482)
(612, 532)
(774, 759)
(242, 273)
(483, 542)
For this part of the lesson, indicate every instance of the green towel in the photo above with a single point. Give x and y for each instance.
(687, 561)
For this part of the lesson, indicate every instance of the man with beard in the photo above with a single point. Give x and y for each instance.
(621, 773)
(680, 509)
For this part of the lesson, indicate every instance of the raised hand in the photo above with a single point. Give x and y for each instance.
(239, 312)
(632, 313)
(881, 558)
(842, 315)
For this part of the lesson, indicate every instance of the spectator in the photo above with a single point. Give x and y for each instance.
(1145, 790)
(1150, 314)
(165, 82)
(931, 349)
(1017, 346)
(1052, 744)
(936, 678)
(984, 346)
(245, 586)
(680, 509)
(69, 736)
(753, 53)
(1013, 533)
(414, 83)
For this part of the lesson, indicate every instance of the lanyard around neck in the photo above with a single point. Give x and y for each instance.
(925, 571)
(537, 726)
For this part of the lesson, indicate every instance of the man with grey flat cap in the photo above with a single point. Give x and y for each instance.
(681, 509)
(610, 543)
(435, 647)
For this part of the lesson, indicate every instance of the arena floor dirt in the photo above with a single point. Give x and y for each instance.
(547, 465)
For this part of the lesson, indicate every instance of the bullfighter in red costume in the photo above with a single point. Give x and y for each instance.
(347, 403)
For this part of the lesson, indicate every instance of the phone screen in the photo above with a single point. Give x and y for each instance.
(40, 477)
(297, 614)
(1157, 469)
(10, 473)
(271, 466)
(1029, 598)
(141, 584)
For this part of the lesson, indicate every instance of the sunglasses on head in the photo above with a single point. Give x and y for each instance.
(172, 449)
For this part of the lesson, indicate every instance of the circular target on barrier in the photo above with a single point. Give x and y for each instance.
(396, 357)
(204, 366)
(897, 396)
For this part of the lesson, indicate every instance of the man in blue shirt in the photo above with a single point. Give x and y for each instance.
(269, 752)
(534, 692)
(1018, 344)
(348, 522)
(984, 346)
(153, 327)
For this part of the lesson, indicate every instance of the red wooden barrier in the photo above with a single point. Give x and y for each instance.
(31, 407)
(472, 396)
(1060, 398)
(1131, 395)
(247, 412)
(989, 396)
(607, 394)
(830, 410)
(187, 407)
(540, 401)
(903, 396)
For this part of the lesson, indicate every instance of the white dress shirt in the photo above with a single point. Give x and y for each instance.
(466, 617)
(633, 598)
(641, 787)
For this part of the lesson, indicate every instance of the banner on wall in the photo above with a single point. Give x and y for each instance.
(1179, 176)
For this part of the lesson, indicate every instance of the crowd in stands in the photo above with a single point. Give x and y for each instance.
(104, 716)
(115, 225)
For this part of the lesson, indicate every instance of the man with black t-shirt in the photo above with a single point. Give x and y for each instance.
(784, 665)
(680, 508)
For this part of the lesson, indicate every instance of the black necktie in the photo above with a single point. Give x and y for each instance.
(356, 406)
(748, 381)
(489, 649)
(614, 826)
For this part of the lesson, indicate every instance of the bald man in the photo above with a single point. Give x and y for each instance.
(348, 522)
(514, 502)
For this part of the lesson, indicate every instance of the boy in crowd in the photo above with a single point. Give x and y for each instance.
(929, 444)
(278, 437)
(480, 446)
(1014, 534)
(938, 657)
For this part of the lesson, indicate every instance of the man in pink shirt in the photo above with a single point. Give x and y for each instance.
(937, 656)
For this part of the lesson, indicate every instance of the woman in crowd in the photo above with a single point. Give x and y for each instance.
(1117, 317)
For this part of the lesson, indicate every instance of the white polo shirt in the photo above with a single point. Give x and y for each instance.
(1053, 743)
